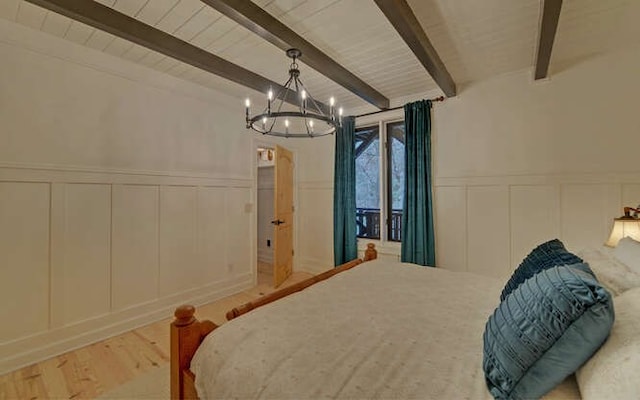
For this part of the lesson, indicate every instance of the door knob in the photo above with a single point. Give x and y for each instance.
(277, 222)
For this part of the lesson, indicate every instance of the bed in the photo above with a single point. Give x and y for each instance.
(373, 329)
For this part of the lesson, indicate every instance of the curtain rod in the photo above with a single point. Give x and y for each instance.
(441, 98)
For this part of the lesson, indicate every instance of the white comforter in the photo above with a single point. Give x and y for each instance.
(380, 330)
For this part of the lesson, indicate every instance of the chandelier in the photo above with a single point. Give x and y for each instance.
(293, 112)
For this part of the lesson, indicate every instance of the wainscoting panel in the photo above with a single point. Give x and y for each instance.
(315, 231)
(134, 274)
(507, 216)
(587, 213)
(178, 246)
(88, 254)
(24, 255)
(488, 231)
(239, 233)
(212, 232)
(450, 209)
(80, 272)
(535, 212)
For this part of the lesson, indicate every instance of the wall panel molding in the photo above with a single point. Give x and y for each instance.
(594, 178)
(24, 258)
(17, 172)
(100, 253)
(533, 212)
(578, 209)
(81, 275)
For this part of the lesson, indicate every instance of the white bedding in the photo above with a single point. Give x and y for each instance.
(380, 330)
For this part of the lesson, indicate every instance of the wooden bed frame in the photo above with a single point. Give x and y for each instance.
(187, 332)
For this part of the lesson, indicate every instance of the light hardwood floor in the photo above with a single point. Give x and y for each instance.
(95, 369)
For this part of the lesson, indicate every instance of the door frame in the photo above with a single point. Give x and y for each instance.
(289, 144)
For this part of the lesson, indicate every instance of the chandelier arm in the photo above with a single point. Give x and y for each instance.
(289, 91)
(273, 123)
(295, 83)
(283, 89)
(315, 104)
(282, 94)
(306, 126)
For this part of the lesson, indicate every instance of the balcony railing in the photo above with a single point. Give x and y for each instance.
(368, 224)
(395, 227)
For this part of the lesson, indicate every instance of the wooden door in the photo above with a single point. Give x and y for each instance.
(283, 217)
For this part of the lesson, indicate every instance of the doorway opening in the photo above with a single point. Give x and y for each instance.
(275, 214)
(266, 183)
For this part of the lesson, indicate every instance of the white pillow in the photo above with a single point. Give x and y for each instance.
(615, 276)
(628, 252)
(612, 372)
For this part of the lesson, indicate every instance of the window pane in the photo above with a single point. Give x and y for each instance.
(367, 154)
(395, 134)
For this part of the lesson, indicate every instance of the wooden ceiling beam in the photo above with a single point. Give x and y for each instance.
(260, 22)
(406, 24)
(109, 20)
(548, 27)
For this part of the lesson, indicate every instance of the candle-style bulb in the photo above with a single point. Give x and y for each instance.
(286, 123)
(303, 95)
(247, 103)
(270, 95)
(340, 111)
(332, 102)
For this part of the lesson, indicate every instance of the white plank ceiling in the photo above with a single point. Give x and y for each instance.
(475, 39)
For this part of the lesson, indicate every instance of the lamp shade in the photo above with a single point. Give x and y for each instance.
(623, 227)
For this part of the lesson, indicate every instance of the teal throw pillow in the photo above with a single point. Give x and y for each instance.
(546, 255)
(544, 331)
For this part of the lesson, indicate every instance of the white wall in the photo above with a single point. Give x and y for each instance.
(123, 193)
(315, 204)
(516, 162)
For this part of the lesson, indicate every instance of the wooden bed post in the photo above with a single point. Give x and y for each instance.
(186, 335)
(370, 253)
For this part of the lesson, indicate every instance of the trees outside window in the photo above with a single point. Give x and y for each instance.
(379, 153)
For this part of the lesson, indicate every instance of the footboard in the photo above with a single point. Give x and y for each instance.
(370, 254)
(245, 308)
(187, 332)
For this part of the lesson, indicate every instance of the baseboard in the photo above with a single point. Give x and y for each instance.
(28, 350)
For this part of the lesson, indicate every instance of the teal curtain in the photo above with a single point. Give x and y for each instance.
(345, 242)
(418, 241)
